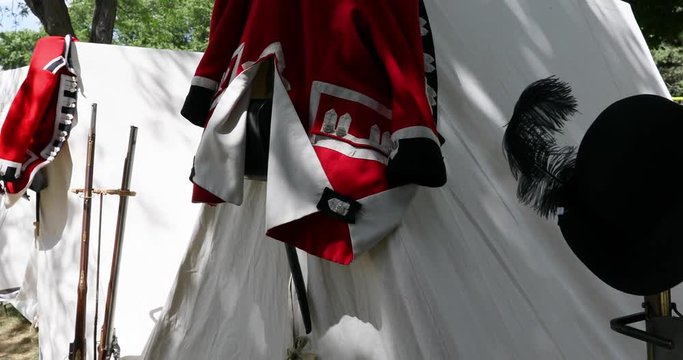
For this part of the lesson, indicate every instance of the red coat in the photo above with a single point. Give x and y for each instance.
(352, 115)
(41, 115)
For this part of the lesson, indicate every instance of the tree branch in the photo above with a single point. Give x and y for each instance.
(103, 21)
(53, 15)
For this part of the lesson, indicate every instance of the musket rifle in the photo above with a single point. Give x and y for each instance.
(77, 347)
(108, 347)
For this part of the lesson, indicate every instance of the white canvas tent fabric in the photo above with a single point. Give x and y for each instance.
(14, 249)
(470, 274)
(132, 86)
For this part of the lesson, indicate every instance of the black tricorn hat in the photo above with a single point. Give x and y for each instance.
(619, 199)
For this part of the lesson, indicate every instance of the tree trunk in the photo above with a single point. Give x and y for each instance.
(103, 21)
(53, 15)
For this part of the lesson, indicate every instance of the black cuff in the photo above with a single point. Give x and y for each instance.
(417, 161)
(339, 206)
(197, 104)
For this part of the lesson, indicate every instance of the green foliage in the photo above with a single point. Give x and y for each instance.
(81, 12)
(661, 21)
(669, 60)
(162, 24)
(16, 47)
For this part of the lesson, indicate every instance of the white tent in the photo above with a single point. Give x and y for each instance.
(14, 249)
(132, 86)
(470, 274)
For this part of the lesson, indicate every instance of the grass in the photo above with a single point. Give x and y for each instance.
(18, 338)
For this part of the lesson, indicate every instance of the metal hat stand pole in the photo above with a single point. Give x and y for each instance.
(663, 332)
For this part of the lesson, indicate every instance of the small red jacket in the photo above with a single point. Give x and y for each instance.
(41, 115)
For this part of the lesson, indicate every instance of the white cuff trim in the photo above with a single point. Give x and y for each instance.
(414, 132)
(205, 83)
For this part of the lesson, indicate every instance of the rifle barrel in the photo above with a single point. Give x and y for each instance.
(77, 348)
(106, 335)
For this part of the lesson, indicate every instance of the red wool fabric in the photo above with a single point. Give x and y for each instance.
(41, 115)
(354, 71)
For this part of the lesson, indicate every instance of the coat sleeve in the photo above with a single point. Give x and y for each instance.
(227, 22)
(394, 27)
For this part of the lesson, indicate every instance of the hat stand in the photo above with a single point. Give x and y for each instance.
(636, 134)
(662, 331)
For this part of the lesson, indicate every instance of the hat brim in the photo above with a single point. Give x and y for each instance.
(623, 218)
(638, 264)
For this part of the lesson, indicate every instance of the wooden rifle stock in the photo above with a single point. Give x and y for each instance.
(108, 345)
(77, 347)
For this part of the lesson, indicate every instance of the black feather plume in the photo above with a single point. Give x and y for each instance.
(541, 167)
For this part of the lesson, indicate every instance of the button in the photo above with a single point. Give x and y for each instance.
(338, 206)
